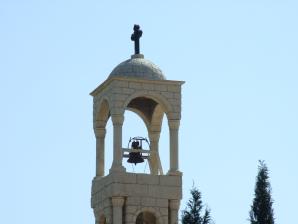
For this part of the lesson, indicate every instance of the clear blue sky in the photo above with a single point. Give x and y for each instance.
(239, 61)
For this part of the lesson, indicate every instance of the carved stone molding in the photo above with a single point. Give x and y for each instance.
(100, 132)
(117, 201)
(117, 119)
(174, 124)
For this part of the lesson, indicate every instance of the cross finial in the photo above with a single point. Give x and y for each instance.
(137, 33)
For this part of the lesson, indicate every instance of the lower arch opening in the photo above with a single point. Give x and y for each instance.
(146, 218)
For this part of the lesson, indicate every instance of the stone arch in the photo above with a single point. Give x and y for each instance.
(157, 117)
(158, 98)
(144, 118)
(146, 218)
(100, 216)
(153, 120)
(149, 210)
(102, 112)
(102, 219)
(155, 123)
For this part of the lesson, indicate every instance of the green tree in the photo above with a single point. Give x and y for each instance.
(194, 214)
(261, 209)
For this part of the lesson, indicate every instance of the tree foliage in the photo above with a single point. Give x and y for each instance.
(261, 209)
(194, 212)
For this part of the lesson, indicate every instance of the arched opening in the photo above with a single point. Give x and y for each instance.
(102, 219)
(103, 114)
(134, 126)
(108, 146)
(101, 117)
(152, 113)
(164, 145)
(144, 107)
(146, 218)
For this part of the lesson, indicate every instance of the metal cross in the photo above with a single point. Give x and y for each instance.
(136, 37)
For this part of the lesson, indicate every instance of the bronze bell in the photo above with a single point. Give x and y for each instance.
(135, 157)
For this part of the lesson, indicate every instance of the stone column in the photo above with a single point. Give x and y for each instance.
(117, 203)
(174, 208)
(154, 139)
(117, 142)
(174, 153)
(100, 151)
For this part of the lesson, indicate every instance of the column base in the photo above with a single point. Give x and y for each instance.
(117, 169)
(97, 178)
(174, 173)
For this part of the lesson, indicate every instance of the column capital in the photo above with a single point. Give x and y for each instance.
(117, 201)
(174, 124)
(174, 204)
(117, 119)
(100, 132)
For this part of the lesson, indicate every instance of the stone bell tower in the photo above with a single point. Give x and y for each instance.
(120, 197)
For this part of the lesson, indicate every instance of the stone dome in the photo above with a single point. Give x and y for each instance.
(138, 67)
